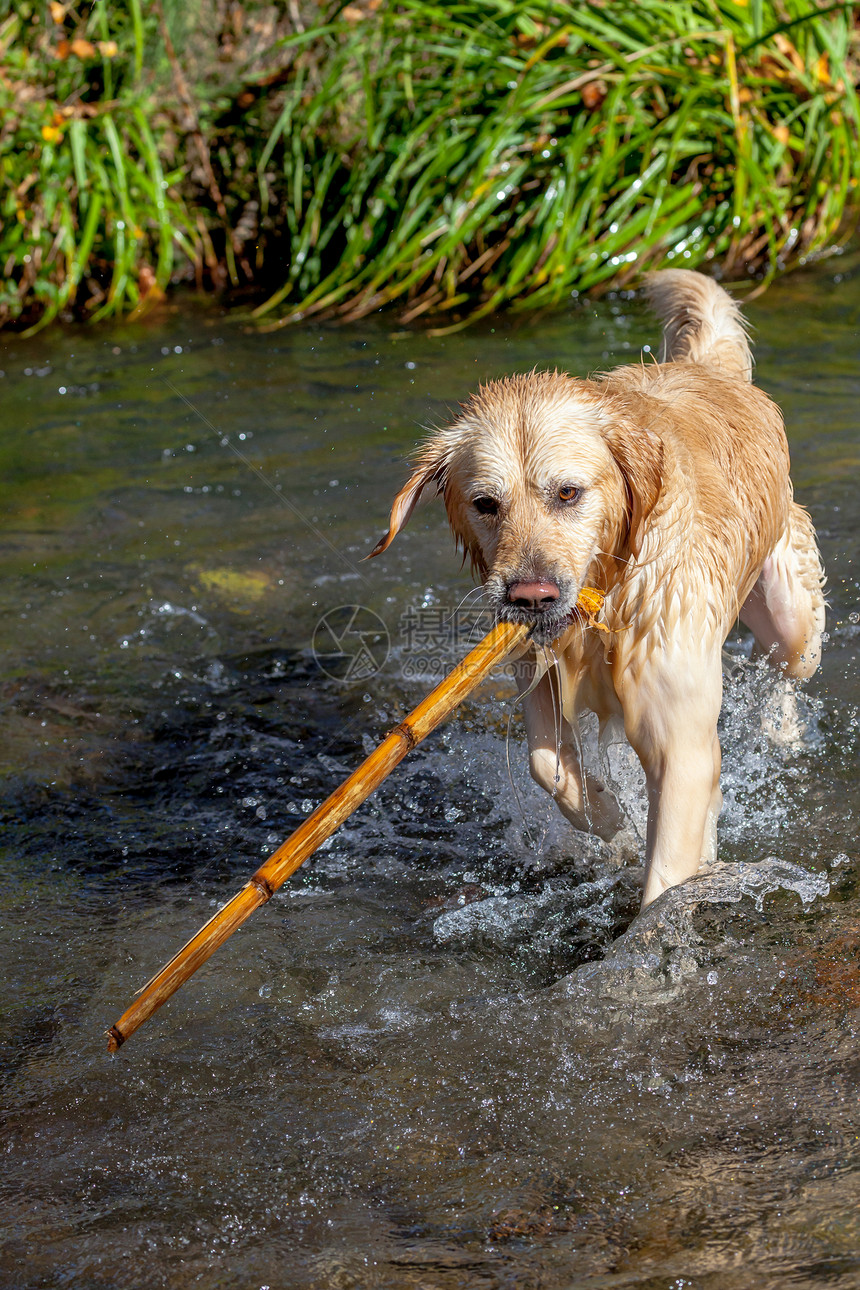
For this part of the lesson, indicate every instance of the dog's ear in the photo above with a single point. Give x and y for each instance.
(638, 454)
(431, 471)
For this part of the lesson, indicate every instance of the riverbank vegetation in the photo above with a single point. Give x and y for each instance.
(446, 160)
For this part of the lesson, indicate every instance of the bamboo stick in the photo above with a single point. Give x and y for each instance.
(317, 827)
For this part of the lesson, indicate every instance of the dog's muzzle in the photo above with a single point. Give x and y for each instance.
(539, 604)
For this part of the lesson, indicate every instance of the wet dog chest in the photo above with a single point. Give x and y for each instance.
(587, 681)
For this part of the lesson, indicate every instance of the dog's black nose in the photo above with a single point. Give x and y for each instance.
(536, 596)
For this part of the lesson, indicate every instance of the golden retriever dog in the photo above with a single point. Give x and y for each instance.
(664, 485)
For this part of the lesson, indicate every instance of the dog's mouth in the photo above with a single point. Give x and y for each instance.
(545, 606)
(544, 628)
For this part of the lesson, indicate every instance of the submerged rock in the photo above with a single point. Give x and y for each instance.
(688, 929)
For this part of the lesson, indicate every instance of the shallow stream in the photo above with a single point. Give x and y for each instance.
(446, 1054)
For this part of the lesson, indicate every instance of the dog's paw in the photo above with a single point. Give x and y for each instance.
(781, 718)
(624, 848)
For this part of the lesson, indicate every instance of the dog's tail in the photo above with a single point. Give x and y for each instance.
(701, 322)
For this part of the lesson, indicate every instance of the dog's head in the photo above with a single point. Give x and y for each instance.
(547, 483)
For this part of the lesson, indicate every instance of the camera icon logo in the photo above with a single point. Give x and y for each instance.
(351, 644)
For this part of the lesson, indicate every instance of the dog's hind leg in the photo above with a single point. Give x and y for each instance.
(555, 764)
(785, 609)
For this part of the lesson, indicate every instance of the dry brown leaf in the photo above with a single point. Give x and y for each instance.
(788, 50)
(83, 49)
(593, 94)
(589, 603)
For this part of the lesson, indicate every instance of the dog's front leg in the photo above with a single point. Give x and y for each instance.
(670, 717)
(554, 761)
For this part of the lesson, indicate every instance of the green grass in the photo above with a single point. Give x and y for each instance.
(444, 160)
(87, 209)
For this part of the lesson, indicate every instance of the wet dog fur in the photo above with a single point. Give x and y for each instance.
(666, 486)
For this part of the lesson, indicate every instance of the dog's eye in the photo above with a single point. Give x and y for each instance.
(568, 493)
(486, 505)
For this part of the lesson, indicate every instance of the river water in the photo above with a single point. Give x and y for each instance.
(446, 1054)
